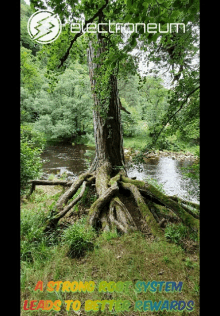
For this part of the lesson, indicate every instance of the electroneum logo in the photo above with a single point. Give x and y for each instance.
(44, 26)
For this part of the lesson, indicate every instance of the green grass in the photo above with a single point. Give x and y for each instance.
(137, 142)
(180, 145)
(141, 142)
(79, 238)
(115, 258)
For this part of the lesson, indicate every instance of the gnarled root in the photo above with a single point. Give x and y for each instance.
(109, 212)
(144, 209)
(60, 209)
(99, 204)
(162, 199)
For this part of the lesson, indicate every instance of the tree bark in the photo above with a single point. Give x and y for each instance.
(107, 127)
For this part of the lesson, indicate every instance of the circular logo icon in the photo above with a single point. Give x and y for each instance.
(44, 26)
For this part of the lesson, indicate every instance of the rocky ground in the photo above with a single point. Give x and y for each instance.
(129, 153)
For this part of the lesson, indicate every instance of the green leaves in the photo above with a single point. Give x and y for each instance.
(68, 107)
(30, 75)
(177, 4)
(31, 146)
(69, 104)
(147, 2)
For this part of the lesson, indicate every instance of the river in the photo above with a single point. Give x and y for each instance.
(75, 159)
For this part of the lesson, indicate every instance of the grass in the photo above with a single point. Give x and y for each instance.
(141, 142)
(178, 233)
(112, 258)
(137, 142)
(79, 238)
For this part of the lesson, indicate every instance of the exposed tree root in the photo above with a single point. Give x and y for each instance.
(70, 205)
(60, 209)
(186, 204)
(113, 220)
(182, 201)
(108, 212)
(144, 209)
(123, 215)
(165, 200)
(98, 205)
(154, 210)
(72, 190)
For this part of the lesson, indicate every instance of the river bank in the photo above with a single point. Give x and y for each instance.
(180, 156)
(164, 167)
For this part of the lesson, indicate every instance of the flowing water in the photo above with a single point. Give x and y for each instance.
(76, 159)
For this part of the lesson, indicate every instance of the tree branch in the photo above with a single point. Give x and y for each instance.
(171, 116)
(122, 108)
(63, 59)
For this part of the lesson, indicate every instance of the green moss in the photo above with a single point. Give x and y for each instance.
(186, 218)
(138, 183)
(114, 179)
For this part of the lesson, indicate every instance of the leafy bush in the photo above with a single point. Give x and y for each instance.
(31, 146)
(67, 110)
(178, 232)
(79, 238)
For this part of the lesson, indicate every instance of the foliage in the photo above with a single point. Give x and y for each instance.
(31, 146)
(79, 238)
(66, 111)
(174, 50)
(36, 247)
(146, 103)
(166, 259)
(25, 40)
(27, 114)
(181, 118)
(178, 232)
(30, 75)
(193, 173)
(130, 121)
(32, 237)
(154, 182)
(108, 235)
(115, 259)
(189, 264)
(52, 104)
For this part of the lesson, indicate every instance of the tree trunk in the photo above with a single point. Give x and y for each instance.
(107, 123)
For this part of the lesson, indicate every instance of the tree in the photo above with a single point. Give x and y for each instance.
(25, 13)
(66, 110)
(31, 147)
(105, 59)
(30, 76)
(177, 54)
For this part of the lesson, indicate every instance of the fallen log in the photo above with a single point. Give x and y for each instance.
(47, 182)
